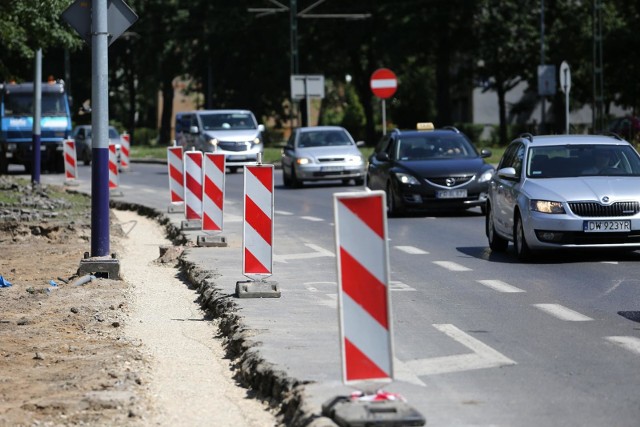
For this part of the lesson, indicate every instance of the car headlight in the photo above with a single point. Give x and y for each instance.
(546, 206)
(303, 161)
(256, 141)
(213, 142)
(486, 176)
(405, 178)
(353, 159)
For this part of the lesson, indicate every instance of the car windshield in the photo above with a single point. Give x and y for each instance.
(434, 146)
(568, 161)
(231, 121)
(113, 133)
(21, 104)
(325, 138)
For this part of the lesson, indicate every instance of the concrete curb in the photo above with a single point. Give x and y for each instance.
(283, 392)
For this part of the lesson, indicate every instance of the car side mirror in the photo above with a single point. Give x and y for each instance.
(194, 129)
(508, 173)
(382, 156)
(261, 128)
(485, 152)
(360, 144)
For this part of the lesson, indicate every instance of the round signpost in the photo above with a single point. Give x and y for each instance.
(565, 86)
(383, 85)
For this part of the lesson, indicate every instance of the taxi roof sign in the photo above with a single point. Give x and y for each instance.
(425, 126)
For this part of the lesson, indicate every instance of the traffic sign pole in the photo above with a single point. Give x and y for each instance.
(565, 86)
(383, 84)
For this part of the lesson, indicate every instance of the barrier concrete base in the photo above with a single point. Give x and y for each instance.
(191, 224)
(355, 413)
(260, 289)
(176, 208)
(104, 266)
(212, 241)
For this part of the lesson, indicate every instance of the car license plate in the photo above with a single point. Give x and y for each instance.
(604, 226)
(331, 169)
(451, 194)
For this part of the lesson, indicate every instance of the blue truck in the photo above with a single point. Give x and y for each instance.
(16, 127)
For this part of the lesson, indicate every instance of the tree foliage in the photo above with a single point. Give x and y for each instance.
(439, 49)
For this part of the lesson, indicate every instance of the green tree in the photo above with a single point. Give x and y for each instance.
(28, 25)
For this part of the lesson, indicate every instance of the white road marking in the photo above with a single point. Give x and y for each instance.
(630, 343)
(451, 266)
(411, 250)
(312, 218)
(284, 213)
(318, 252)
(147, 190)
(500, 286)
(482, 356)
(232, 218)
(395, 285)
(563, 313)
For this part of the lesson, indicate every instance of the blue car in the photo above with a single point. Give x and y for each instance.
(429, 169)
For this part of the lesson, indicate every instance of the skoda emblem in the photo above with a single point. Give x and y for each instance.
(450, 182)
(605, 199)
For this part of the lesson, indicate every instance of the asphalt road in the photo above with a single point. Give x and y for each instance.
(479, 339)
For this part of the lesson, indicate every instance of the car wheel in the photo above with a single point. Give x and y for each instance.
(393, 208)
(483, 209)
(520, 242)
(286, 180)
(295, 182)
(86, 157)
(496, 243)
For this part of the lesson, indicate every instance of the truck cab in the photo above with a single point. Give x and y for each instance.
(16, 125)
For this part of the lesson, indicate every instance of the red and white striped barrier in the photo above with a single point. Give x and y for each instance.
(125, 149)
(70, 160)
(363, 279)
(257, 235)
(193, 185)
(213, 194)
(113, 167)
(176, 174)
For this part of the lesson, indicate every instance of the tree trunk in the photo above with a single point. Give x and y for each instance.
(167, 111)
(502, 108)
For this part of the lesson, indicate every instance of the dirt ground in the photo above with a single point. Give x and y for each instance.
(64, 359)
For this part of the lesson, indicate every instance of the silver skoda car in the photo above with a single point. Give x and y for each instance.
(321, 153)
(565, 191)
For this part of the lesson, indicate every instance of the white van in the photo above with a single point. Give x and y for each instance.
(235, 133)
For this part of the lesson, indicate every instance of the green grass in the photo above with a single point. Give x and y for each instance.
(271, 154)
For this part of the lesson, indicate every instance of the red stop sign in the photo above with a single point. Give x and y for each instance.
(383, 83)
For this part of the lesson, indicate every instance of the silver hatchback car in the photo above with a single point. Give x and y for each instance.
(321, 153)
(565, 191)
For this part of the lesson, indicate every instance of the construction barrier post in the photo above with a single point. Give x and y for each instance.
(364, 305)
(114, 177)
(175, 165)
(257, 234)
(125, 150)
(70, 162)
(193, 190)
(213, 199)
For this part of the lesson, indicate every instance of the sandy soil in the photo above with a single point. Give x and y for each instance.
(132, 352)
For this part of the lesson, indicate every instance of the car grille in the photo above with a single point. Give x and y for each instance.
(458, 180)
(232, 146)
(593, 209)
(330, 159)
